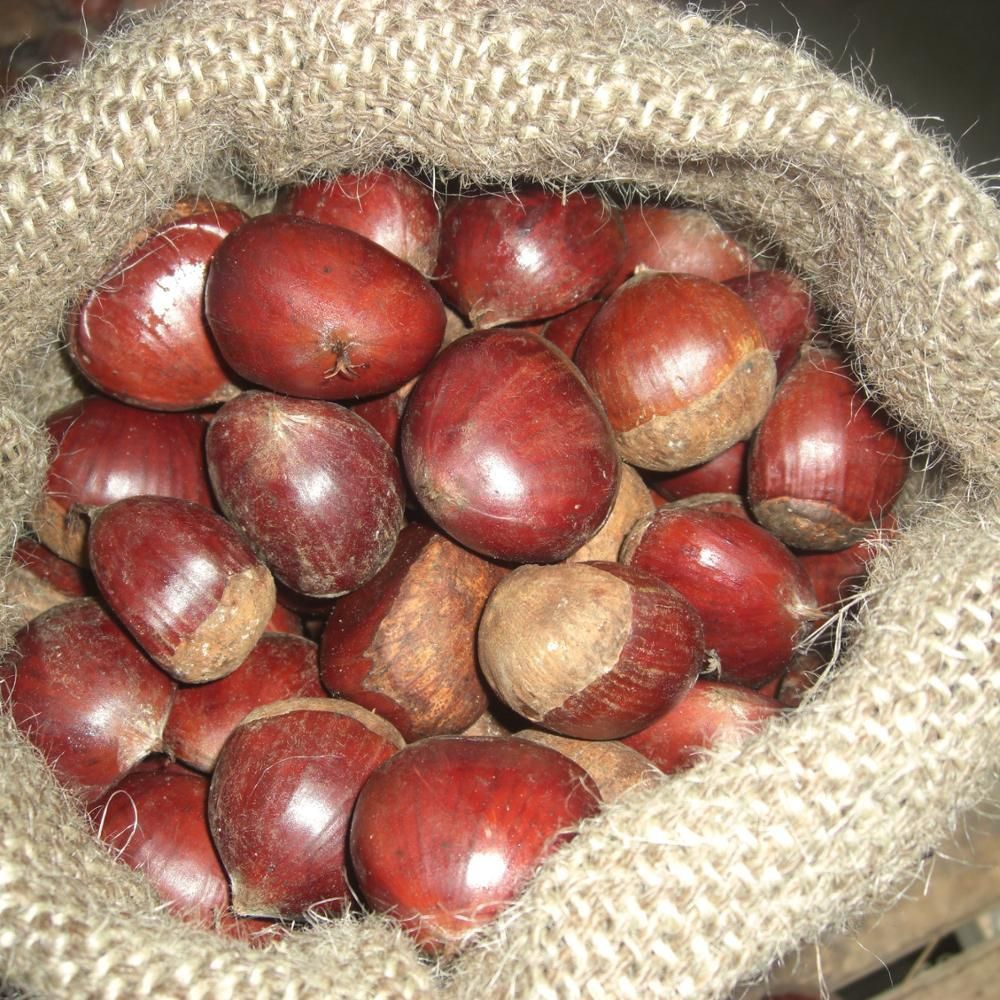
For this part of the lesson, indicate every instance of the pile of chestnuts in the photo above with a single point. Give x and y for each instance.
(401, 532)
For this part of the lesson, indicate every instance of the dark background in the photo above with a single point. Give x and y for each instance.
(933, 59)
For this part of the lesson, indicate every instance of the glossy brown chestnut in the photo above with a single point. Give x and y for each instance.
(389, 207)
(403, 645)
(316, 490)
(826, 465)
(507, 450)
(183, 581)
(753, 595)
(678, 240)
(318, 311)
(632, 503)
(449, 831)
(106, 451)
(140, 334)
(85, 694)
(710, 713)
(591, 650)
(680, 367)
(279, 667)
(38, 579)
(783, 308)
(156, 821)
(281, 798)
(726, 473)
(509, 258)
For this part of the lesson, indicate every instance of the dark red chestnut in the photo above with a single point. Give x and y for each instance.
(726, 473)
(389, 207)
(507, 450)
(156, 821)
(106, 451)
(509, 258)
(403, 645)
(710, 712)
(753, 595)
(782, 306)
(318, 311)
(316, 490)
(826, 465)
(281, 798)
(449, 831)
(279, 667)
(85, 694)
(183, 581)
(140, 334)
(591, 650)
(566, 330)
(680, 367)
(678, 240)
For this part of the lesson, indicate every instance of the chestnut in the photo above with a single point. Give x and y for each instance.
(389, 207)
(507, 450)
(281, 798)
(279, 667)
(156, 821)
(826, 464)
(710, 712)
(81, 689)
(753, 595)
(448, 831)
(511, 258)
(38, 579)
(591, 650)
(678, 240)
(183, 581)
(140, 334)
(726, 473)
(318, 311)
(403, 645)
(680, 367)
(105, 451)
(314, 487)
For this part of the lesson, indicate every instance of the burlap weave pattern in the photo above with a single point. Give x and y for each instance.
(685, 888)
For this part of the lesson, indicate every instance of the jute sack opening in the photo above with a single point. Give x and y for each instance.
(687, 887)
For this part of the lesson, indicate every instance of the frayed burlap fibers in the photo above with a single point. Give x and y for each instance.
(686, 887)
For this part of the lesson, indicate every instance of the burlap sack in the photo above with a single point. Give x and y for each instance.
(685, 888)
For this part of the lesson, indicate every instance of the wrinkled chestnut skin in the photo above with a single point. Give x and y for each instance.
(313, 486)
(510, 258)
(203, 715)
(753, 595)
(680, 367)
(156, 821)
(140, 334)
(389, 207)
(85, 694)
(710, 712)
(318, 311)
(105, 451)
(183, 581)
(281, 798)
(507, 450)
(403, 645)
(449, 831)
(825, 465)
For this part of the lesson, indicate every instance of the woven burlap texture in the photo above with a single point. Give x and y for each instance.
(686, 887)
